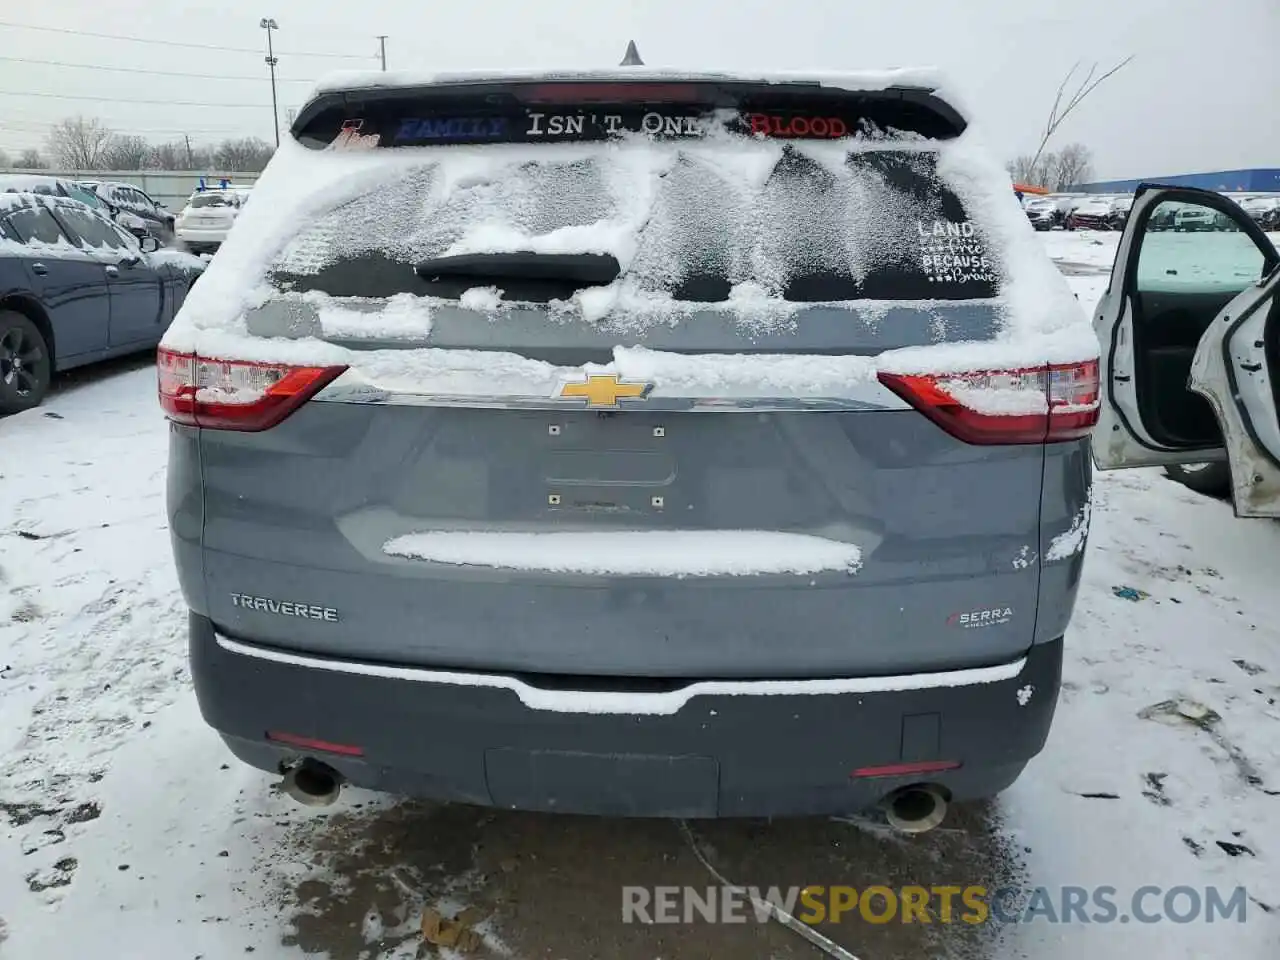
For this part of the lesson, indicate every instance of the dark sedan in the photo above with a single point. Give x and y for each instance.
(133, 209)
(76, 288)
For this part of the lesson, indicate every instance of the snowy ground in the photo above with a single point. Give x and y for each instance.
(127, 830)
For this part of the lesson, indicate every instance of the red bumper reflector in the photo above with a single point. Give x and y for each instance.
(309, 743)
(907, 769)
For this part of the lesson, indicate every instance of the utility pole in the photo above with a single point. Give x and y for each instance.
(190, 159)
(382, 42)
(268, 24)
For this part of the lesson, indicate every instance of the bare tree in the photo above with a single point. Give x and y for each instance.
(79, 144)
(30, 159)
(1057, 171)
(1061, 110)
(1022, 170)
(4, 159)
(171, 155)
(1042, 172)
(247, 155)
(1050, 170)
(1072, 164)
(127, 152)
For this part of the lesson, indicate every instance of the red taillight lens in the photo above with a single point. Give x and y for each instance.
(1031, 405)
(234, 394)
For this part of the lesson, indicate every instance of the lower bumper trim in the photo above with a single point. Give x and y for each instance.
(665, 703)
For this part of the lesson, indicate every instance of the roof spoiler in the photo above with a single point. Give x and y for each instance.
(368, 116)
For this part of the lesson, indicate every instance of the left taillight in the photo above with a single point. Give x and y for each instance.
(234, 394)
(1046, 404)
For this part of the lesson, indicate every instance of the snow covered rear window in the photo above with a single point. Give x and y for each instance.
(210, 200)
(729, 218)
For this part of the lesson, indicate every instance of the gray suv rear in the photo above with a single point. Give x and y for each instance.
(632, 444)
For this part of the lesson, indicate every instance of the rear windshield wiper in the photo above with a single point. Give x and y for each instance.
(529, 276)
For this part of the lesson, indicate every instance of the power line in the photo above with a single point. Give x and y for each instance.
(161, 103)
(159, 73)
(176, 43)
(43, 119)
(25, 124)
(8, 120)
(17, 126)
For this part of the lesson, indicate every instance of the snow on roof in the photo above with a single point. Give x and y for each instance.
(922, 78)
(26, 181)
(11, 200)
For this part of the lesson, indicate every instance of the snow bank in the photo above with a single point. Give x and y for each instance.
(633, 553)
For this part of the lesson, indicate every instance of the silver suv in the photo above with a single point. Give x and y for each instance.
(632, 443)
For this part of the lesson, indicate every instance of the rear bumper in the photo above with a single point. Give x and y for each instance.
(211, 236)
(742, 748)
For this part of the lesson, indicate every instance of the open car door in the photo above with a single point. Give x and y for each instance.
(1237, 370)
(1187, 257)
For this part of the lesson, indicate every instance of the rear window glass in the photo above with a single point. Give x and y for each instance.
(701, 191)
(210, 200)
(84, 196)
(799, 222)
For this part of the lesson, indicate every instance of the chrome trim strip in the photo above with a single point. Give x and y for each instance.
(863, 397)
(636, 704)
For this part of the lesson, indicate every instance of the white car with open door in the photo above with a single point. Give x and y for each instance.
(1190, 335)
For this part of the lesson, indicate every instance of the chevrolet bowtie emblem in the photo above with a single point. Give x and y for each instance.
(604, 390)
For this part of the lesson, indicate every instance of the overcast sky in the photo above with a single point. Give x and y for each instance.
(1200, 94)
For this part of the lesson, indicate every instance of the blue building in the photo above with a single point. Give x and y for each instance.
(1264, 180)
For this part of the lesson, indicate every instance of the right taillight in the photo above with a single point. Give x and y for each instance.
(234, 394)
(1029, 405)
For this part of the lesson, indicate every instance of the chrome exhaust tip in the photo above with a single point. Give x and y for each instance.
(312, 783)
(916, 809)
